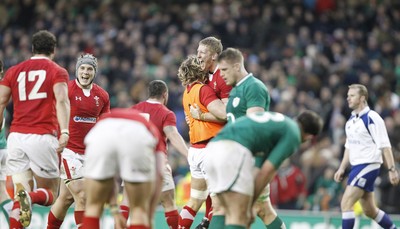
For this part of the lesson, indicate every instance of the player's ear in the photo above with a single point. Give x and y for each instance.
(237, 66)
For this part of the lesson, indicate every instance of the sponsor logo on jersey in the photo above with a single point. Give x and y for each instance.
(85, 119)
(236, 102)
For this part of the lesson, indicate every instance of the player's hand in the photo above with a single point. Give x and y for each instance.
(339, 175)
(394, 177)
(62, 142)
(195, 111)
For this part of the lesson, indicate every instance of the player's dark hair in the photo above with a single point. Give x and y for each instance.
(310, 122)
(157, 88)
(43, 42)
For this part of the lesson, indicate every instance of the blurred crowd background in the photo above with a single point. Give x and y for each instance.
(307, 52)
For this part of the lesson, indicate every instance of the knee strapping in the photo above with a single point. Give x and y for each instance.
(202, 195)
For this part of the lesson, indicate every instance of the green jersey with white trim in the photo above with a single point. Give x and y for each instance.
(268, 135)
(249, 92)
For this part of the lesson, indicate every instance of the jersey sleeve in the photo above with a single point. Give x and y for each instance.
(257, 96)
(224, 89)
(106, 107)
(170, 119)
(378, 130)
(207, 95)
(61, 76)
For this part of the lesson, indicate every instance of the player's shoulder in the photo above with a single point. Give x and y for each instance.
(374, 115)
(100, 90)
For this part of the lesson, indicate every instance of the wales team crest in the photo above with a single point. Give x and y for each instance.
(236, 102)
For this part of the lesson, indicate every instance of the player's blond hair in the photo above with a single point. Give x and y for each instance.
(362, 90)
(213, 44)
(191, 71)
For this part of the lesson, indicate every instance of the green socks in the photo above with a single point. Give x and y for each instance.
(234, 227)
(276, 224)
(217, 222)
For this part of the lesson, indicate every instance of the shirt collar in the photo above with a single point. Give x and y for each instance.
(364, 111)
(246, 77)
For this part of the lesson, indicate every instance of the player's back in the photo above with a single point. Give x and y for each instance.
(31, 84)
(159, 115)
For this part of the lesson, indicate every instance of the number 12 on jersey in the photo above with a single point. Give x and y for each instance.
(37, 76)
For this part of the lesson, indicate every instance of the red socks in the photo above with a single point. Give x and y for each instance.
(78, 218)
(42, 197)
(90, 223)
(186, 217)
(53, 222)
(124, 211)
(172, 218)
(208, 214)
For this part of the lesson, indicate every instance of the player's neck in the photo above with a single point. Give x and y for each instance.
(42, 55)
(360, 108)
(155, 100)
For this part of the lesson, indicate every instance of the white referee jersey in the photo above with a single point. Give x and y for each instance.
(366, 136)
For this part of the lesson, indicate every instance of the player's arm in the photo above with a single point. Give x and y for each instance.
(343, 165)
(263, 177)
(5, 94)
(217, 111)
(389, 161)
(176, 139)
(63, 112)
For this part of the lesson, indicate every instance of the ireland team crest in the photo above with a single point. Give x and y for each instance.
(236, 102)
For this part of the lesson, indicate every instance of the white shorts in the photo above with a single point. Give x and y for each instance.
(229, 166)
(3, 158)
(33, 151)
(71, 165)
(195, 160)
(122, 147)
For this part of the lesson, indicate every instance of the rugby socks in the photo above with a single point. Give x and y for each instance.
(14, 217)
(124, 211)
(384, 220)
(348, 219)
(234, 227)
(208, 214)
(42, 197)
(186, 217)
(276, 224)
(78, 218)
(217, 222)
(53, 222)
(172, 218)
(90, 223)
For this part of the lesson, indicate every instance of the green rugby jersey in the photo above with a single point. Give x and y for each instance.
(249, 92)
(268, 135)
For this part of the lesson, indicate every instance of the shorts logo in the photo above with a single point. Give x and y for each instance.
(84, 119)
(48, 170)
(361, 182)
(236, 102)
